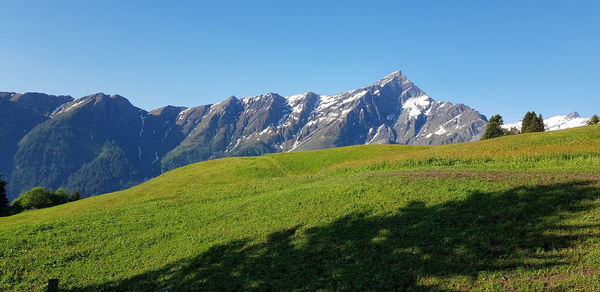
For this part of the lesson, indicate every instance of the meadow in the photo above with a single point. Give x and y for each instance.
(519, 212)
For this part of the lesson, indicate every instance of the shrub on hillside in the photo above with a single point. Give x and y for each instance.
(38, 198)
(511, 131)
(61, 195)
(74, 196)
(593, 120)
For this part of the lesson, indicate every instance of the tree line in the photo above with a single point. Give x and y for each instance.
(531, 123)
(36, 198)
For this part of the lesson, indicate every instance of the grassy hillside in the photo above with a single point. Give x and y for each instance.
(519, 212)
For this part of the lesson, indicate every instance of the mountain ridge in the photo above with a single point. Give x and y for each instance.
(77, 139)
(558, 122)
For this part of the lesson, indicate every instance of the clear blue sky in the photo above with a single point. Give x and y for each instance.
(496, 56)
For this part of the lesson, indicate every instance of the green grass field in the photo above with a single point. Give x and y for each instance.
(514, 213)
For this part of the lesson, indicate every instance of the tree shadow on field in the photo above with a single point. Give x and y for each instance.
(485, 232)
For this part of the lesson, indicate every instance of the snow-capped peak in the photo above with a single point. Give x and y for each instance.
(573, 115)
(571, 120)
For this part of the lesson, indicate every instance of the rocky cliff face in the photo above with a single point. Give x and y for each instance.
(102, 143)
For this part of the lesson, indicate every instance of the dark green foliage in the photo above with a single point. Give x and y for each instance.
(78, 151)
(532, 123)
(540, 124)
(511, 131)
(39, 197)
(593, 120)
(18, 115)
(61, 195)
(108, 172)
(494, 128)
(3, 197)
(49, 153)
(528, 122)
(76, 195)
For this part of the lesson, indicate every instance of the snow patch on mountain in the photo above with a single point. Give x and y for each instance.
(73, 105)
(417, 106)
(58, 109)
(440, 131)
(143, 122)
(181, 115)
(338, 100)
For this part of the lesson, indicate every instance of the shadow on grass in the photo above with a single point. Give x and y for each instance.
(486, 232)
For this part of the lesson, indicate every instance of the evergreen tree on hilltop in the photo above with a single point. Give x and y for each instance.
(527, 124)
(532, 123)
(494, 128)
(593, 120)
(3, 198)
(540, 124)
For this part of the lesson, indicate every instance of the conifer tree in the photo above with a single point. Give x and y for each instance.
(4, 203)
(593, 120)
(532, 123)
(526, 125)
(494, 128)
(540, 124)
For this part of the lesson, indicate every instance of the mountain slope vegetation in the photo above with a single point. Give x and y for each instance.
(19, 114)
(513, 213)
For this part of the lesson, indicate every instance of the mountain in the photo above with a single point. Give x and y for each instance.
(391, 111)
(101, 143)
(554, 123)
(19, 114)
(95, 144)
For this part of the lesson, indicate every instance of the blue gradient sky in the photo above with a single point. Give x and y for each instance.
(504, 57)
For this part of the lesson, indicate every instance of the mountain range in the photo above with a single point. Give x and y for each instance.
(554, 123)
(102, 143)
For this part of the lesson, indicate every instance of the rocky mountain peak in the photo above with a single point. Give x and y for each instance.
(395, 77)
(96, 102)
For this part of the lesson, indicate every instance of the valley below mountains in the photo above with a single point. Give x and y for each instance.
(102, 143)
